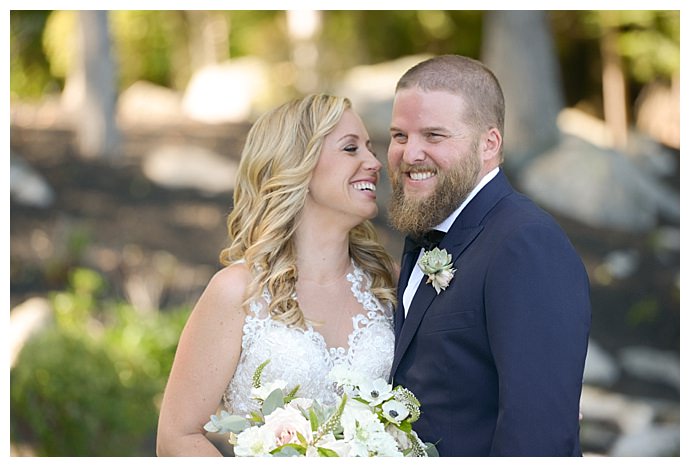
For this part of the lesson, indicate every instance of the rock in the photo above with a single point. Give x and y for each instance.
(227, 92)
(597, 186)
(26, 320)
(27, 186)
(644, 151)
(651, 365)
(190, 167)
(621, 264)
(628, 414)
(147, 103)
(600, 367)
(597, 436)
(652, 441)
(652, 157)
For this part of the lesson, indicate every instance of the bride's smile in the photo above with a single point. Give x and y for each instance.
(346, 174)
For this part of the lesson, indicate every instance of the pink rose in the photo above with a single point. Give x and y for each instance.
(285, 423)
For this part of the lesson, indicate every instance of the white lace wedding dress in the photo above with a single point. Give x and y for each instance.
(302, 357)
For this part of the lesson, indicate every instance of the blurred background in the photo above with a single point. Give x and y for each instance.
(125, 133)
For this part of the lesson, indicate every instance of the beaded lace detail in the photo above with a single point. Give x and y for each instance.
(302, 357)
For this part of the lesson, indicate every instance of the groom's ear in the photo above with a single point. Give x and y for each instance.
(490, 144)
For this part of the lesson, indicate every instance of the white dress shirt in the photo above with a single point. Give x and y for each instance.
(417, 274)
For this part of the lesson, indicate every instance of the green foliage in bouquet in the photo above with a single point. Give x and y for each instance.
(370, 418)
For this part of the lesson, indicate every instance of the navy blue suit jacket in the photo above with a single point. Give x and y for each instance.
(497, 358)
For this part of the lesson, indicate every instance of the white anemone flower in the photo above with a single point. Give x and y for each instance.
(395, 411)
(375, 392)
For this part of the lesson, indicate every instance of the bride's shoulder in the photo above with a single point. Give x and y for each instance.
(229, 284)
(232, 273)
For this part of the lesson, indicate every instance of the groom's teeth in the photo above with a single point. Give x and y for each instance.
(362, 186)
(421, 175)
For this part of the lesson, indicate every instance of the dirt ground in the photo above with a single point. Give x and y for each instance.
(109, 216)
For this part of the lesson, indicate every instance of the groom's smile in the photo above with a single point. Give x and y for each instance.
(424, 175)
(418, 181)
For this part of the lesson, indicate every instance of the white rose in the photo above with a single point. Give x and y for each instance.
(254, 442)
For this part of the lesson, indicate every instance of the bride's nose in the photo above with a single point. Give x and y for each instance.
(371, 163)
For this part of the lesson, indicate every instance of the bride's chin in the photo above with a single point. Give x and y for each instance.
(373, 213)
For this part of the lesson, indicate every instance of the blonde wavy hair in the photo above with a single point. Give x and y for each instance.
(276, 166)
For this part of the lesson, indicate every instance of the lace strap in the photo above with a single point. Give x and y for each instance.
(361, 289)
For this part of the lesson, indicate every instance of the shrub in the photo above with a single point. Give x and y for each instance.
(91, 385)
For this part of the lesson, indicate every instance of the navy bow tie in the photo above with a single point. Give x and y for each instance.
(428, 240)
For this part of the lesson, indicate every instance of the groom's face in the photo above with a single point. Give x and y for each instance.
(433, 158)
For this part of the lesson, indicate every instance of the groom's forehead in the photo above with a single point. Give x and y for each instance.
(428, 106)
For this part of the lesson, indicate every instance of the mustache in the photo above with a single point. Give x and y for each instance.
(405, 167)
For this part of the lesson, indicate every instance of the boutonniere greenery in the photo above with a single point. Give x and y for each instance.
(437, 265)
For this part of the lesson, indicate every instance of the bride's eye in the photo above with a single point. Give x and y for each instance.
(351, 148)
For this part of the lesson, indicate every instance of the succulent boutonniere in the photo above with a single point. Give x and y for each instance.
(436, 264)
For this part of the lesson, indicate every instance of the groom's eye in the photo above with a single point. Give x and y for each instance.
(399, 137)
(435, 137)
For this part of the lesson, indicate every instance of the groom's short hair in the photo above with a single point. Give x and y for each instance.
(466, 77)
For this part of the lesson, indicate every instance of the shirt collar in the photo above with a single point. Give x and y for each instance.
(446, 224)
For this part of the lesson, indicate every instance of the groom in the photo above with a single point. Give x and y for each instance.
(496, 356)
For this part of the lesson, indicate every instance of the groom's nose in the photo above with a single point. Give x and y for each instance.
(413, 151)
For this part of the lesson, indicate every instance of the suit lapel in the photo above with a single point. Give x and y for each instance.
(461, 234)
(408, 261)
(426, 293)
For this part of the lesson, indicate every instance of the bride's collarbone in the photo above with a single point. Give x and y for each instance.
(310, 292)
(329, 309)
(330, 313)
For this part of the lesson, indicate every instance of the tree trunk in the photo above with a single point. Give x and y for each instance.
(518, 47)
(303, 29)
(92, 88)
(208, 38)
(613, 82)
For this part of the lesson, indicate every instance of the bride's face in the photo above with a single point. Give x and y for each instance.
(345, 178)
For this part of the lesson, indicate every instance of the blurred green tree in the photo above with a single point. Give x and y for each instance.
(30, 74)
(158, 46)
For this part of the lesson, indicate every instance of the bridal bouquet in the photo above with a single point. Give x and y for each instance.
(371, 418)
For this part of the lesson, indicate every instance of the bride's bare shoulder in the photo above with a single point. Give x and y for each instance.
(234, 273)
(229, 284)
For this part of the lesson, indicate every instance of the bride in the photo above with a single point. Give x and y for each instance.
(306, 283)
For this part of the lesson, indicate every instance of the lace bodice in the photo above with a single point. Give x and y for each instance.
(302, 357)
